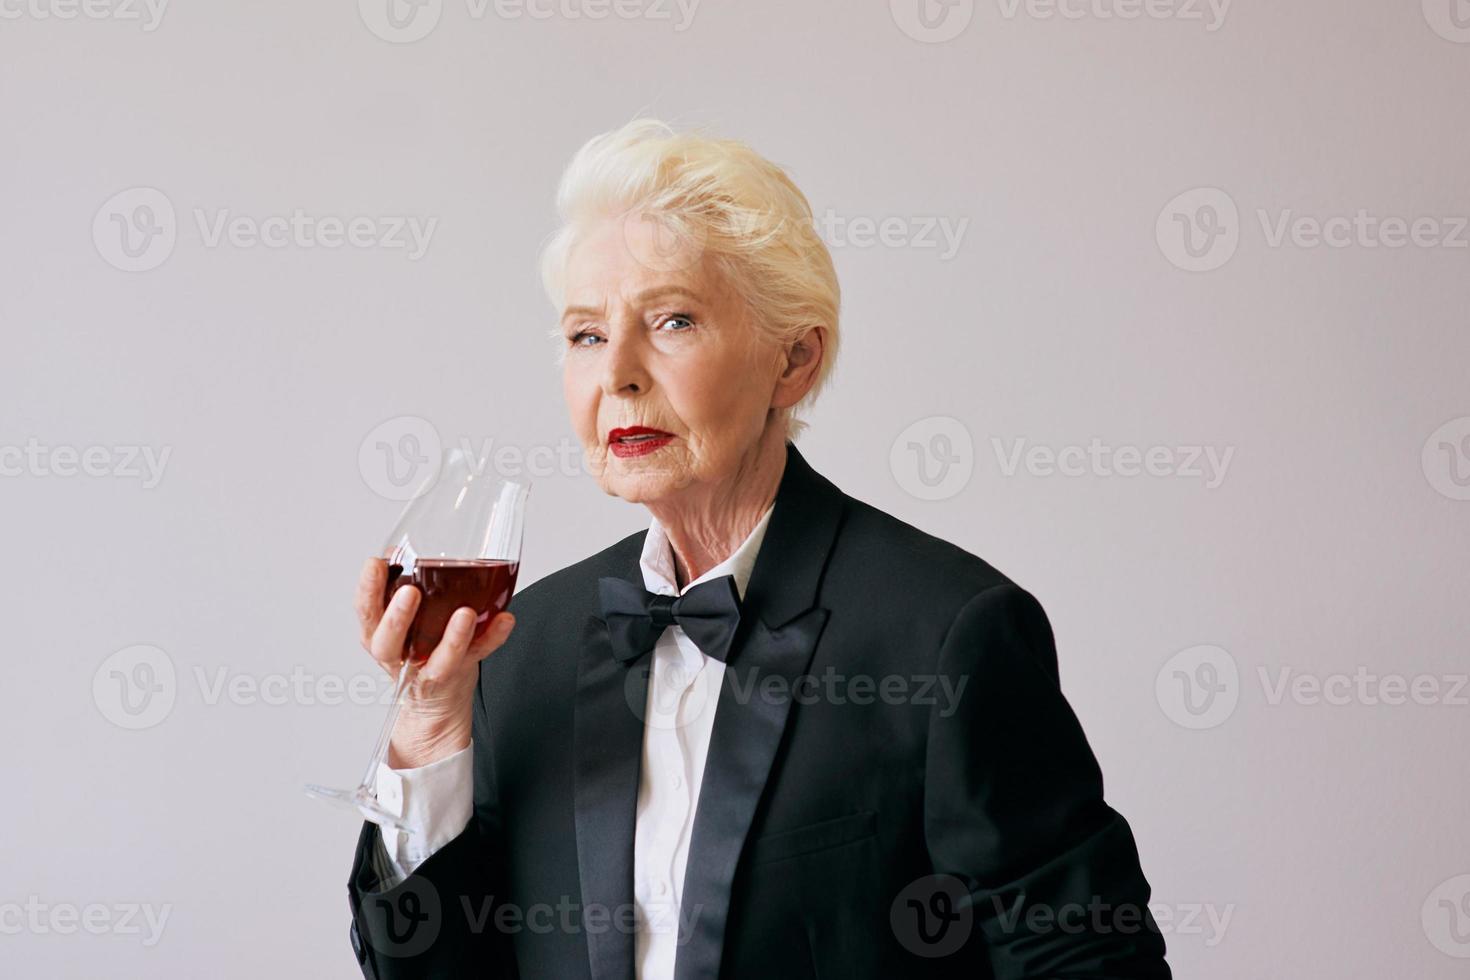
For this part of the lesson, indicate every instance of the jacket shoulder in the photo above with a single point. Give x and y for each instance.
(917, 563)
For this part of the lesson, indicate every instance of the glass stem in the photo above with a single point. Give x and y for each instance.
(380, 751)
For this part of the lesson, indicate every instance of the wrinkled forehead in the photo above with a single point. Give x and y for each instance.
(618, 260)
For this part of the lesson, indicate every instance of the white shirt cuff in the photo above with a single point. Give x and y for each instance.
(434, 803)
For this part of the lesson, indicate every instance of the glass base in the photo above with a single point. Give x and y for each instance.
(361, 799)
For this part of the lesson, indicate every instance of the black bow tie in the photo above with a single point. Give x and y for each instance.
(635, 617)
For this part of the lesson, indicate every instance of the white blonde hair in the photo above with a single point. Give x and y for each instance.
(742, 209)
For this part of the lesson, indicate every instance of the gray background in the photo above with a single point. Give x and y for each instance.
(1333, 835)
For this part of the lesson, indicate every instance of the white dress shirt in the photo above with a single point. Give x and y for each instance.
(436, 801)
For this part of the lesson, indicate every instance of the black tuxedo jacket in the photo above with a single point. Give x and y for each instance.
(854, 821)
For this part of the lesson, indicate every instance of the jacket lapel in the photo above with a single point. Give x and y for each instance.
(779, 633)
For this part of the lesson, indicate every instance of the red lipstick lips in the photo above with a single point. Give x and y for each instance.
(638, 440)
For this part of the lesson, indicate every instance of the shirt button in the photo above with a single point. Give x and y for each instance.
(677, 782)
(661, 888)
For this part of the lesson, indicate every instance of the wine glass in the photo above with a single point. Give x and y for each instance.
(459, 543)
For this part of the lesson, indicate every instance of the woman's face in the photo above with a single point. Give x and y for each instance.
(668, 384)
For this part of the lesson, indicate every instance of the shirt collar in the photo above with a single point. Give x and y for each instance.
(657, 560)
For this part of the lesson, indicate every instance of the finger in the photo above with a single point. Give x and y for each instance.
(388, 639)
(369, 599)
(495, 635)
(450, 653)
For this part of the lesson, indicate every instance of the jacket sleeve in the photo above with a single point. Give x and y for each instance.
(440, 921)
(1044, 873)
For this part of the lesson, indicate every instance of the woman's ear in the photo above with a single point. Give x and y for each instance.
(803, 364)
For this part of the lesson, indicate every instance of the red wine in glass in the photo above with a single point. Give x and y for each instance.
(459, 543)
(447, 584)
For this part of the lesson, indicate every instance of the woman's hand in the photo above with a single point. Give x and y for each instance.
(438, 706)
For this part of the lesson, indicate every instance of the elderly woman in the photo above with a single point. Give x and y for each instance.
(781, 733)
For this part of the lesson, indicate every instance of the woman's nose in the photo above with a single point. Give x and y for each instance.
(624, 372)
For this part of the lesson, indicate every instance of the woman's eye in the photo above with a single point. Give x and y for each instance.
(676, 322)
(584, 338)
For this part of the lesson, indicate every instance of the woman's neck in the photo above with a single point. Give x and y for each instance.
(705, 524)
